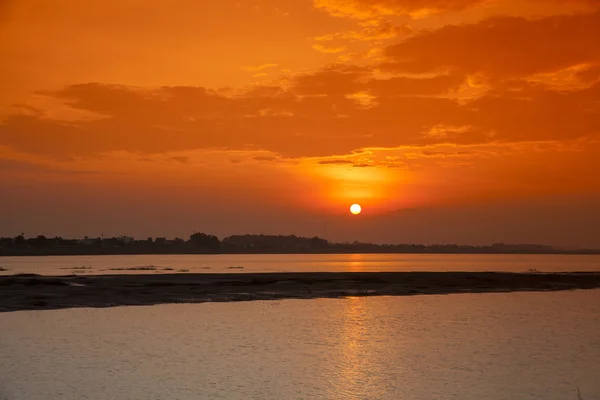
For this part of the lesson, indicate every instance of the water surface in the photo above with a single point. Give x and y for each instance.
(63, 265)
(467, 347)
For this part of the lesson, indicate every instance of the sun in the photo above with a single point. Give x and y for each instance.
(355, 209)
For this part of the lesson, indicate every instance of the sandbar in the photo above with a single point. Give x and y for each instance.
(35, 292)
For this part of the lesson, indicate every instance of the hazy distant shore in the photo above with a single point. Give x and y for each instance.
(201, 243)
(426, 250)
(33, 292)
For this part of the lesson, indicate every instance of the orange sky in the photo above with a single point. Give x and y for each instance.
(450, 121)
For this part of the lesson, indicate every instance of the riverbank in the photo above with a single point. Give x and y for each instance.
(34, 292)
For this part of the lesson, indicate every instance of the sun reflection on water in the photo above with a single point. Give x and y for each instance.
(357, 367)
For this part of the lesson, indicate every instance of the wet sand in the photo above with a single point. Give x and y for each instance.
(27, 292)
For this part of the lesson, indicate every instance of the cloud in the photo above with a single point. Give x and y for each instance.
(335, 162)
(329, 50)
(265, 158)
(501, 48)
(341, 108)
(371, 30)
(336, 80)
(591, 74)
(303, 120)
(444, 154)
(403, 86)
(368, 9)
(364, 99)
(180, 159)
(260, 67)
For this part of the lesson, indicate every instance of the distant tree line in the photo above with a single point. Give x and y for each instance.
(198, 243)
(201, 243)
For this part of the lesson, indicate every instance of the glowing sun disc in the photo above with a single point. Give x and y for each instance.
(355, 209)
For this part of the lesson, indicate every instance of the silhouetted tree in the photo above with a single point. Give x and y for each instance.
(318, 243)
(39, 241)
(204, 241)
(20, 240)
(112, 242)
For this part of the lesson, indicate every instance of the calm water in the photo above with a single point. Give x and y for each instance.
(468, 347)
(297, 263)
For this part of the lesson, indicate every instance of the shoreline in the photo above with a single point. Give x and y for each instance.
(37, 292)
(591, 252)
